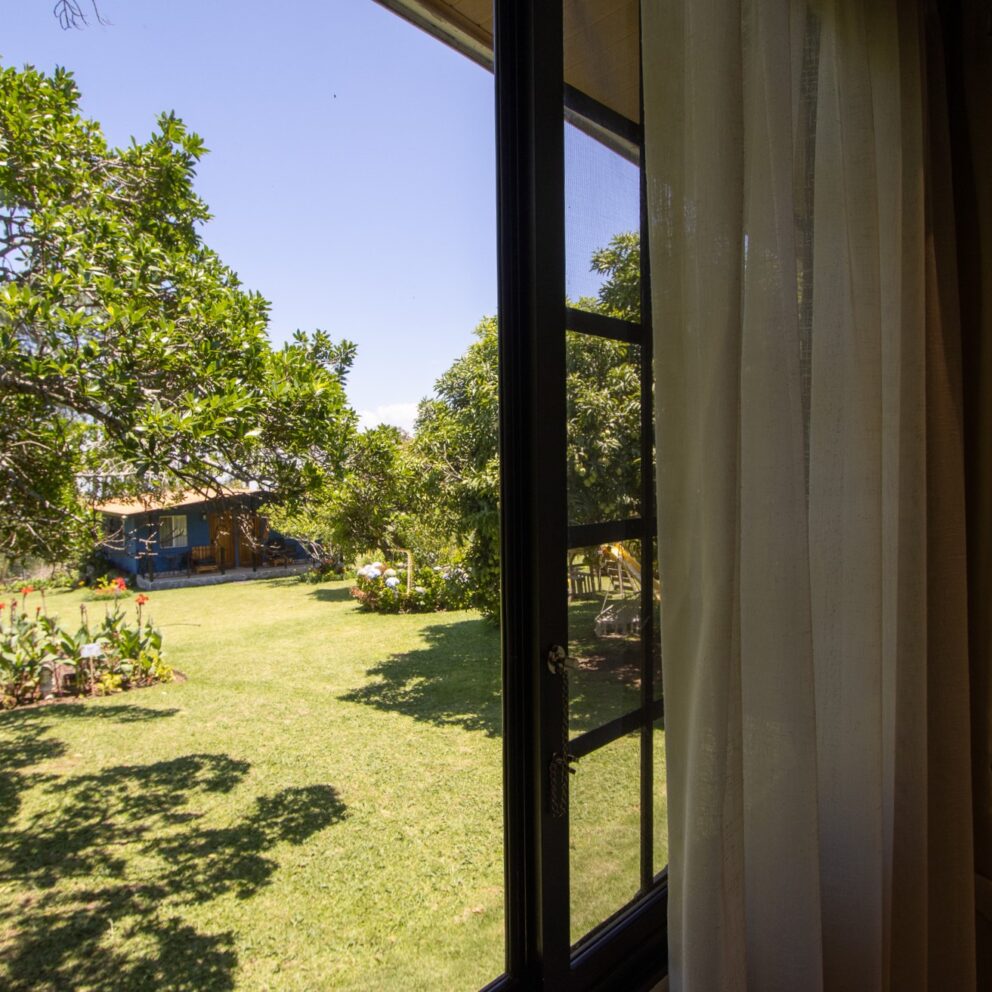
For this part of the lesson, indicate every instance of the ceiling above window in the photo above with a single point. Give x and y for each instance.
(602, 39)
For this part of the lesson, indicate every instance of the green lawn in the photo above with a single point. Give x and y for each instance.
(317, 806)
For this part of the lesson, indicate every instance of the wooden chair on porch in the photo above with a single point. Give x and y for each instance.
(203, 558)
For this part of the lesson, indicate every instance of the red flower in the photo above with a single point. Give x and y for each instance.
(141, 600)
(25, 590)
(120, 583)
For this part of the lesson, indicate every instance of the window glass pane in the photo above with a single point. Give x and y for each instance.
(604, 833)
(602, 224)
(604, 639)
(604, 429)
(172, 532)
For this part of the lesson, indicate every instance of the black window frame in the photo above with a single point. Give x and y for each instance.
(630, 950)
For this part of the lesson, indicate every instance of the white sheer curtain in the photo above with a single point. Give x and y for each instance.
(810, 498)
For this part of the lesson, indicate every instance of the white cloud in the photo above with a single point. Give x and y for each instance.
(398, 414)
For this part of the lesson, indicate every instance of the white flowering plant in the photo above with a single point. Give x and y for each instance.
(382, 588)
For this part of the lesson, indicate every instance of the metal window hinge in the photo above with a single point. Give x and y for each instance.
(558, 660)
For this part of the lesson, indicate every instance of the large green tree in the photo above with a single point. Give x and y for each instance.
(457, 429)
(383, 502)
(124, 340)
(457, 441)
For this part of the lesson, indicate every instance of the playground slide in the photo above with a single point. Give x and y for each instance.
(632, 565)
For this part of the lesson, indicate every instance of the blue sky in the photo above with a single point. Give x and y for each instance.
(351, 171)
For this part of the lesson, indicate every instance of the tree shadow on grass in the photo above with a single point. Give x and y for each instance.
(339, 594)
(107, 864)
(453, 680)
(23, 741)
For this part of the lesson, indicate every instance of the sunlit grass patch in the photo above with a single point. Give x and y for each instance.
(318, 806)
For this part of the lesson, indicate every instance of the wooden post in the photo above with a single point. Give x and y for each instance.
(409, 569)
(254, 536)
(148, 548)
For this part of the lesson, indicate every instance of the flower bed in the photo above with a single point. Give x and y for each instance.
(106, 588)
(40, 659)
(382, 589)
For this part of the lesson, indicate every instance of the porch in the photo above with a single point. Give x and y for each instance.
(192, 539)
(239, 574)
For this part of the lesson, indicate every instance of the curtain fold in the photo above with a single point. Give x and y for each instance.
(811, 496)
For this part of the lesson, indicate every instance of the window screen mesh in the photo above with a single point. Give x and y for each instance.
(602, 221)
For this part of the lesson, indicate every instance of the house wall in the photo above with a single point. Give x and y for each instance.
(121, 558)
(197, 528)
(136, 528)
(197, 533)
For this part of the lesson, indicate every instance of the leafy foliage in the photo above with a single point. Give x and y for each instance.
(370, 507)
(38, 656)
(60, 581)
(438, 493)
(125, 340)
(603, 413)
(384, 590)
(380, 504)
(457, 429)
(326, 569)
(107, 588)
(620, 262)
(457, 438)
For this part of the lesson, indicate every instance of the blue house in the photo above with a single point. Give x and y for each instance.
(194, 539)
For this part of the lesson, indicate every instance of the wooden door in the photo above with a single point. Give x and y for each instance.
(249, 536)
(222, 537)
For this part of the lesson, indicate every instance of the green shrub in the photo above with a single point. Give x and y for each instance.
(61, 581)
(323, 571)
(39, 657)
(382, 589)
